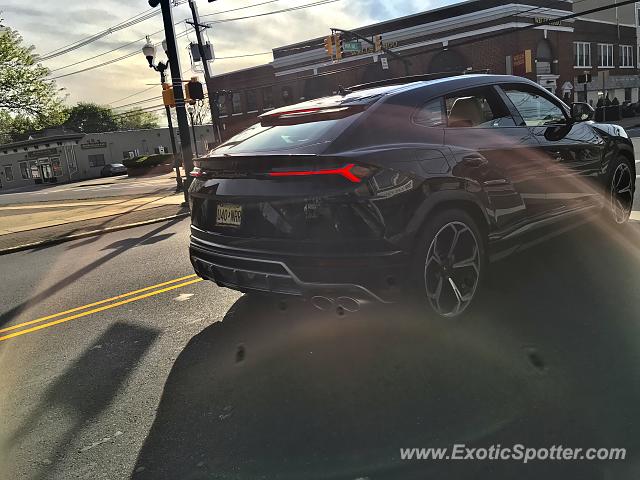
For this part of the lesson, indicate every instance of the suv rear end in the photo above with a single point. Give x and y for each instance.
(273, 211)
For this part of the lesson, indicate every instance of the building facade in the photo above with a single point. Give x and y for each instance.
(529, 38)
(56, 156)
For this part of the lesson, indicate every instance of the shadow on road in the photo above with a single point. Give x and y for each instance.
(550, 356)
(80, 394)
(77, 275)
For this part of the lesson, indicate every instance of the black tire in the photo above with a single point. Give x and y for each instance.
(459, 285)
(620, 191)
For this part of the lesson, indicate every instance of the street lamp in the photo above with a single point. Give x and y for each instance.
(149, 51)
(191, 111)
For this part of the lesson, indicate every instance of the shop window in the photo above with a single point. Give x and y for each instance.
(626, 56)
(252, 101)
(96, 160)
(24, 170)
(582, 54)
(236, 103)
(287, 95)
(8, 173)
(267, 98)
(605, 55)
(33, 168)
(222, 103)
(57, 167)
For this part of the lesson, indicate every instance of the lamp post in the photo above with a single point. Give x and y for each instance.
(191, 111)
(149, 51)
(178, 93)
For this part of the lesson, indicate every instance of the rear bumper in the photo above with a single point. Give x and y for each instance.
(369, 277)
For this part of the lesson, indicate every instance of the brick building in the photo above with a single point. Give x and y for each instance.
(502, 36)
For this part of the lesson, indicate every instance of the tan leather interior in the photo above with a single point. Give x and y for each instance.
(466, 112)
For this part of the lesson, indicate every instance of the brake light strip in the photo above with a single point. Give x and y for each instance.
(344, 171)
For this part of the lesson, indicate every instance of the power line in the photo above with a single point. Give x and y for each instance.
(290, 9)
(121, 26)
(93, 38)
(314, 4)
(133, 95)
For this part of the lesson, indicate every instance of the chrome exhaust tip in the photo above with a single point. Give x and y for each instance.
(348, 304)
(322, 303)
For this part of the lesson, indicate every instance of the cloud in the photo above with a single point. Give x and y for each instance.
(120, 79)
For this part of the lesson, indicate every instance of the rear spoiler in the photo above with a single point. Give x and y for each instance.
(310, 114)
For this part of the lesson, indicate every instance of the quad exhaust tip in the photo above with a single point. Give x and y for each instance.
(340, 304)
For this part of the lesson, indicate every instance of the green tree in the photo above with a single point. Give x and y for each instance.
(137, 119)
(90, 118)
(27, 98)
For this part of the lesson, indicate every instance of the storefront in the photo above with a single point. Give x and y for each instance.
(42, 166)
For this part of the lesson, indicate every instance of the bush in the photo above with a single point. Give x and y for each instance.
(148, 161)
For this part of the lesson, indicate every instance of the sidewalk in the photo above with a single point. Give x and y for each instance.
(27, 226)
(632, 122)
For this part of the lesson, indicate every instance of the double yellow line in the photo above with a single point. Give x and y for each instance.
(106, 305)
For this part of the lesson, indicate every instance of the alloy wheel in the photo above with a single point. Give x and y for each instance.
(621, 193)
(452, 269)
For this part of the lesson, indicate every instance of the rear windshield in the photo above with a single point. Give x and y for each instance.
(269, 138)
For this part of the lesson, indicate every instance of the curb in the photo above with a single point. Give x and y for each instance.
(92, 233)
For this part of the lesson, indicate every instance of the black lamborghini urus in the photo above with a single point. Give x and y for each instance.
(405, 185)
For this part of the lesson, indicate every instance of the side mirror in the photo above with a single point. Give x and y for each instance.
(582, 112)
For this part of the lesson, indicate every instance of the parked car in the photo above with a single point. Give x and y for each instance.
(406, 185)
(112, 169)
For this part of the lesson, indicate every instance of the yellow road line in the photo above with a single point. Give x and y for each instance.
(96, 310)
(94, 304)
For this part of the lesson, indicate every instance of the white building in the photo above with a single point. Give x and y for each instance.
(63, 156)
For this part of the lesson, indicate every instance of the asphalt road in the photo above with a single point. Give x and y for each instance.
(116, 362)
(95, 188)
(186, 380)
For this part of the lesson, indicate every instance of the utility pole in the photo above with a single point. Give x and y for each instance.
(172, 135)
(205, 66)
(176, 81)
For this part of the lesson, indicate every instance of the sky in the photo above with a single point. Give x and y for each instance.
(52, 24)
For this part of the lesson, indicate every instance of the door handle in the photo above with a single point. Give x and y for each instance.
(474, 160)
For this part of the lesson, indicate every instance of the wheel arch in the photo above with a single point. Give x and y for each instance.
(462, 200)
(629, 155)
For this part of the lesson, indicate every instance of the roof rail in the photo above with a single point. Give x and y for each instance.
(409, 79)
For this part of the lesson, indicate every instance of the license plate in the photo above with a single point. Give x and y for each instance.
(229, 215)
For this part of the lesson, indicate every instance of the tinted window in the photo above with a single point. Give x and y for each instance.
(430, 115)
(283, 137)
(535, 109)
(479, 108)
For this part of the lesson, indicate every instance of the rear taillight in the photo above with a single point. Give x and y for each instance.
(196, 172)
(351, 172)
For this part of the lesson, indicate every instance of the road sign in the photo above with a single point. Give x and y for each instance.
(384, 62)
(352, 46)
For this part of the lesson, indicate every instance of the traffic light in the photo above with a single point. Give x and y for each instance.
(328, 45)
(167, 96)
(337, 39)
(377, 42)
(193, 91)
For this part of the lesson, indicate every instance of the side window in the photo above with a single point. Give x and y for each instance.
(477, 108)
(535, 109)
(430, 115)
